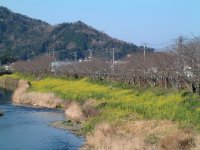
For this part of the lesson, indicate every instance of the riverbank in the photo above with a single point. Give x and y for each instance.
(127, 117)
(70, 125)
(8, 83)
(25, 127)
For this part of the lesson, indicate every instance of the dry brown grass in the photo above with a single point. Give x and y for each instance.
(89, 109)
(74, 111)
(197, 143)
(177, 141)
(142, 135)
(8, 83)
(107, 138)
(78, 113)
(35, 98)
(144, 127)
(22, 96)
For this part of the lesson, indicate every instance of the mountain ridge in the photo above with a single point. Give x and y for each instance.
(22, 37)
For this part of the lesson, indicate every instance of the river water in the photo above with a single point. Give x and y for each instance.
(26, 128)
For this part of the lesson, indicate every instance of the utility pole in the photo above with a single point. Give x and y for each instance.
(53, 52)
(75, 56)
(145, 45)
(113, 61)
(106, 53)
(49, 61)
(113, 55)
(90, 54)
(180, 45)
(180, 41)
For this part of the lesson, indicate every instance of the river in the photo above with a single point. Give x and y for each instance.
(26, 128)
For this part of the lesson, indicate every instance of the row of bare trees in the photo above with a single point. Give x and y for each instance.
(39, 66)
(178, 67)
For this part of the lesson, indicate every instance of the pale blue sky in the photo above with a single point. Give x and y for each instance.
(157, 22)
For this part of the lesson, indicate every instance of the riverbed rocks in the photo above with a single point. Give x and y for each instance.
(70, 125)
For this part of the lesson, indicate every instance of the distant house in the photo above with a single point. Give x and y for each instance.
(59, 64)
(7, 68)
(187, 71)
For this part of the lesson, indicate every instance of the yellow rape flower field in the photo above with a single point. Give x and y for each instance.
(118, 102)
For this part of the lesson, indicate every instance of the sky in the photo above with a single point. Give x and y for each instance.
(155, 22)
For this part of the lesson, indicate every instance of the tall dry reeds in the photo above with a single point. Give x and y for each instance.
(74, 111)
(22, 96)
(105, 137)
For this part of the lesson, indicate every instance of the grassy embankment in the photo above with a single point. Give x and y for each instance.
(118, 103)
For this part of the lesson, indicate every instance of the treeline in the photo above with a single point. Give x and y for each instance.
(178, 67)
